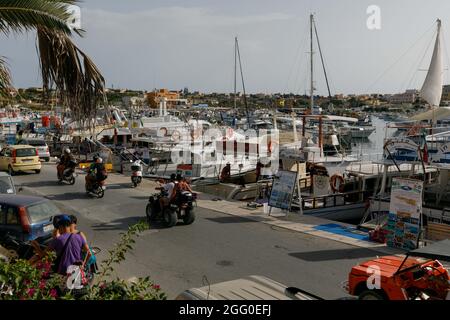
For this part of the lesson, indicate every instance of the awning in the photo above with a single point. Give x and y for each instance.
(434, 114)
(438, 250)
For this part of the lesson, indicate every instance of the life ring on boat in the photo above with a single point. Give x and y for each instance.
(162, 132)
(337, 183)
(176, 136)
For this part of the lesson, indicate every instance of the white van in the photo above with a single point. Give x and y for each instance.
(249, 288)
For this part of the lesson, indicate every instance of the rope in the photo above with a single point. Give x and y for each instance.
(399, 59)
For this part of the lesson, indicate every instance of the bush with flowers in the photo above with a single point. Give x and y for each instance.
(19, 280)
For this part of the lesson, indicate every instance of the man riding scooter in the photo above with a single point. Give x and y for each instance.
(64, 162)
(96, 173)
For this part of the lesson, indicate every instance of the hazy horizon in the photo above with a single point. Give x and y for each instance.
(175, 44)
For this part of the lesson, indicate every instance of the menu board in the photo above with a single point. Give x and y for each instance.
(404, 214)
(282, 190)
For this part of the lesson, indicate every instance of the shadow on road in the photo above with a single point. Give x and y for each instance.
(342, 254)
(68, 196)
(118, 186)
(37, 184)
(118, 224)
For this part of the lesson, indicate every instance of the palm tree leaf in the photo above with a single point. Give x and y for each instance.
(80, 84)
(25, 15)
(5, 80)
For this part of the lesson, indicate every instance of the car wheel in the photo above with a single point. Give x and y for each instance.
(371, 295)
(189, 216)
(37, 171)
(71, 180)
(47, 159)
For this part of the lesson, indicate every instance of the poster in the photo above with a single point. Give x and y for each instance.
(404, 214)
(321, 186)
(283, 187)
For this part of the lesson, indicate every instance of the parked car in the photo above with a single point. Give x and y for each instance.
(25, 218)
(6, 184)
(40, 145)
(420, 275)
(20, 158)
(249, 288)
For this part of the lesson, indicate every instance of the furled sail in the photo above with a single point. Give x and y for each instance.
(432, 87)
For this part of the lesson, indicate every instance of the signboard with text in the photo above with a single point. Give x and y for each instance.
(283, 188)
(405, 214)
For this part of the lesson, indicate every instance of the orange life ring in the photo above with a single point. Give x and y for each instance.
(337, 183)
(163, 131)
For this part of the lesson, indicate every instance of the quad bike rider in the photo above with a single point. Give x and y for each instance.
(174, 202)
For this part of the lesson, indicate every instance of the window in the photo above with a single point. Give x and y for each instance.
(29, 152)
(12, 218)
(6, 153)
(42, 211)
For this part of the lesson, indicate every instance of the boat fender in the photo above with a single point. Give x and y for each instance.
(337, 183)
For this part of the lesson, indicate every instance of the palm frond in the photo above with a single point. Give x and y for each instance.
(5, 80)
(79, 83)
(25, 15)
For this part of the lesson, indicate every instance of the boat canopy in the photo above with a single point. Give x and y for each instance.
(440, 113)
(339, 118)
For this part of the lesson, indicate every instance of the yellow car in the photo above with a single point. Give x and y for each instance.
(20, 158)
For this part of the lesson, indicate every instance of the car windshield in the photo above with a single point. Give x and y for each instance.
(29, 152)
(42, 211)
(6, 185)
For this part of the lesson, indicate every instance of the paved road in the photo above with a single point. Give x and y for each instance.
(217, 247)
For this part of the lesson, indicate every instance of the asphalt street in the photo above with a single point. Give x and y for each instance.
(217, 247)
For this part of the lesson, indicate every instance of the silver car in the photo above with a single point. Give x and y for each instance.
(40, 145)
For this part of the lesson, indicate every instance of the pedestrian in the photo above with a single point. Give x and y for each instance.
(68, 247)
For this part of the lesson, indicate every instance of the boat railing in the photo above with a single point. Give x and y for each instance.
(334, 200)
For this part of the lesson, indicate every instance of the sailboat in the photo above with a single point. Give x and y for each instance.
(429, 157)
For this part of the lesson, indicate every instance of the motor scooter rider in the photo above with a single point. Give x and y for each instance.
(169, 189)
(96, 173)
(64, 162)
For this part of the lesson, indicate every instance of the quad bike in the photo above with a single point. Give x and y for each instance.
(180, 209)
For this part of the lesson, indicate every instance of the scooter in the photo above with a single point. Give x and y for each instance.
(69, 174)
(182, 208)
(97, 190)
(136, 173)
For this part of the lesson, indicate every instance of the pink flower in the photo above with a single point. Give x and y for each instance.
(42, 284)
(31, 292)
(45, 275)
(26, 282)
(156, 287)
(53, 293)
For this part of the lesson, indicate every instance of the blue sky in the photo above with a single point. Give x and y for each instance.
(145, 44)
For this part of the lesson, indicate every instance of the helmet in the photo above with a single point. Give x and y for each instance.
(99, 160)
(173, 176)
(95, 158)
(67, 151)
(179, 177)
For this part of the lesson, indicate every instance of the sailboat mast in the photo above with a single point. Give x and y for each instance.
(243, 83)
(235, 76)
(312, 64)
